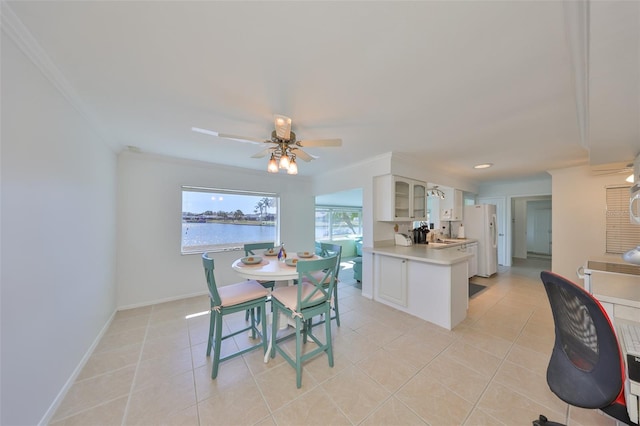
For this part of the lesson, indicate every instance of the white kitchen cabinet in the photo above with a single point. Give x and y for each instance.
(400, 199)
(452, 207)
(436, 292)
(391, 279)
(472, 248)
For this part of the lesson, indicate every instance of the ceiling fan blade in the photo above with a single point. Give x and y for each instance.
(228, 136)
(303, 155)
(321, 142)
(283, 127)
(264, 152)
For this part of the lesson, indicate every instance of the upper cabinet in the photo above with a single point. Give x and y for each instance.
(400, 199)
(452, 207)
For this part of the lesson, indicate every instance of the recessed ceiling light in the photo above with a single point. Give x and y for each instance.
(483, 166)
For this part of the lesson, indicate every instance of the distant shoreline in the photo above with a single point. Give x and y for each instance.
(235, 222)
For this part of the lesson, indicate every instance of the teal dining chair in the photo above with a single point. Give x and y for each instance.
(327, 250)
(251, 249)
(309, 298)
(228, 299)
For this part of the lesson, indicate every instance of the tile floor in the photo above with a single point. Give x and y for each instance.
(390, 368)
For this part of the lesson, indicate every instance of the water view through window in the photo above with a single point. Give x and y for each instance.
(216, 219)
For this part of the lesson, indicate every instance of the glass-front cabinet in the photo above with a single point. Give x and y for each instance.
(419, 201)
(400, 199)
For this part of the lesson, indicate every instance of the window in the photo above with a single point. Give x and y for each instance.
(622, 234)
(338, 223)
(220, 219)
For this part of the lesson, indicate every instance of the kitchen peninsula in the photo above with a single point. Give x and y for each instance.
(427, 282)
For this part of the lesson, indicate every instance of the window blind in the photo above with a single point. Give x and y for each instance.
(622, 233)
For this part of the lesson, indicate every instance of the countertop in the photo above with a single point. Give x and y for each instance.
(424, 253)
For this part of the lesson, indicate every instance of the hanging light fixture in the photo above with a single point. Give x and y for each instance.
(293, 166)
(284, 160)
(272, 167)
(435, 192)
(283, 157)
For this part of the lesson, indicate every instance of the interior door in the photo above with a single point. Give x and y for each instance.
(499, 202)
(541, 231)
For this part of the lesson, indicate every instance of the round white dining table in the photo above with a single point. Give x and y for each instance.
(269, 269)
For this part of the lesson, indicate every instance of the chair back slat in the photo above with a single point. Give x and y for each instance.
(328, 250)
(322, 291)
(250, 248)
(208, 264)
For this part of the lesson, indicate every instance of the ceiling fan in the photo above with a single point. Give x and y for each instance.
(283, 145)
(623, 168)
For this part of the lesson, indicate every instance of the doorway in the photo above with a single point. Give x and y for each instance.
(531, 234)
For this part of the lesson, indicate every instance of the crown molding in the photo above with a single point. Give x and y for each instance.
(13, 27)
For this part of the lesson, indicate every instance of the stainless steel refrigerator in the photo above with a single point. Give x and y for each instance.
(480, 223)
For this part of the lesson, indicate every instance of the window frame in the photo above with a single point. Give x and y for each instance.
(621, 232)
(332, 210)
(234, 245)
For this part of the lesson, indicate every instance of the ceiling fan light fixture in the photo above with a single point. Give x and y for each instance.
(293, 167)
(283, 127)
(272, 167)
(284, 161)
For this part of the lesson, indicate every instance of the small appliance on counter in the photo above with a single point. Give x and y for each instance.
(403, 240)
(420, 234)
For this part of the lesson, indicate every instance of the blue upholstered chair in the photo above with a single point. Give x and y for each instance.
(357, 269)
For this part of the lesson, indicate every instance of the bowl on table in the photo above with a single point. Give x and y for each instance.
(305, 254)
(291, 262)
(271, 252)
(251, 260)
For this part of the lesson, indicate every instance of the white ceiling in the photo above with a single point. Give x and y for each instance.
(446, 83)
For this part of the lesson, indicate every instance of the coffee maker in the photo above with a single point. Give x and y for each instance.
(420, 234)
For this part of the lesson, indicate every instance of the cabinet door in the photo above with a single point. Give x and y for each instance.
(392, 279)
(419, 201)
(399, 199)
(458, 201)
(402, 198)
(473, 262)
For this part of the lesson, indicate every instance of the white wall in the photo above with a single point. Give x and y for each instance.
(539, 185)
(515, 239)
(360, 175)
(150, 266)
(58, 240)
(578, 218)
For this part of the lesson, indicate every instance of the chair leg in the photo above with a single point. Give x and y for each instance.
(299, 325)
(306, 328)
(246, 315)
(335, 304)
(274, 327)
(263, 321)
(329, 343)
(218, 344)
(253, 325)
(212, 327)
(258, 310)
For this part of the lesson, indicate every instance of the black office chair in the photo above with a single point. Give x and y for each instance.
(586, 368)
